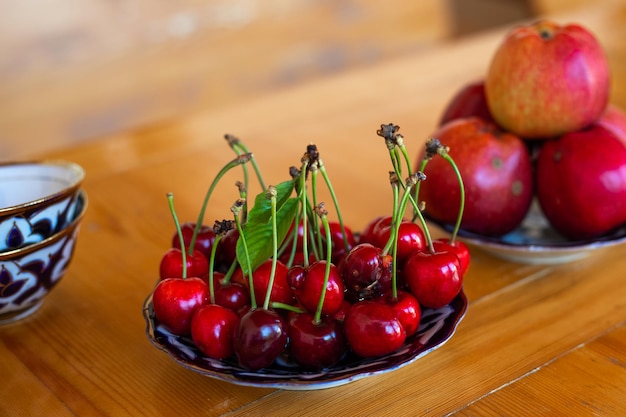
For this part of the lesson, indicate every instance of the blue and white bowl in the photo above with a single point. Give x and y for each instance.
(29, 273)
(37, 200)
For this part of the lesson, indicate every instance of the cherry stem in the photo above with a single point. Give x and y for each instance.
(304, 204)
(218, 237)
(288, 307)
(238, 145)
(429, 241)
(393, 179)
(397, 216)
(239, 160)
(321, 211)
(417, 187)
(179, 232)
(236, 209)
(333, 195)
(271, 192)
(315, 228)
(444, 153)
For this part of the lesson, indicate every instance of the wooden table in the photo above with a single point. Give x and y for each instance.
(536, 340)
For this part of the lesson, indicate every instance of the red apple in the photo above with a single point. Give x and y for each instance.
(581, 182)
(545, 80)
(497, 173)
(614, 119)
(468, 101)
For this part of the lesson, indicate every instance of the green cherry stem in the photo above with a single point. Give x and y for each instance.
(393, 180)
(417, 177)
(443, 151)
(218, 237)
(321, 211)
(170, 200)
(315, 229)
(236, 209)
(271, 192)
(239, 160)
(333, 195)
(238, 145)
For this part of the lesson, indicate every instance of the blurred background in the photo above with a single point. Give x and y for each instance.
(73, 70)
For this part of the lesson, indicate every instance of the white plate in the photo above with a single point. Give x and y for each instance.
(536, 242)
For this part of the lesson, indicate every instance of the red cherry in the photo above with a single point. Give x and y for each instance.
(175, 300)
(459, 248)
(407, 309)
(339, 247)
(367, 236)
(234, 296)
(373, 329)
(226, 251)
(281, 291)
(316, 345)
(260, 338)
(212, 330)
(307, 284)
(172, 264)
(433, 278)
(410, 238)
(366, 272)
(204, 238)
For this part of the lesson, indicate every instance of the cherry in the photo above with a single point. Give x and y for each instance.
(339, 247)
(316, 345)
(366, 272)
(260, 338)
(407, 309)
(234, 296)
(281, 291)
(307, 284)
(410, 237)
(226, 250)
(457, 247)
(433, 278)
(172, 264)
(367, 235)
(373, 329)
(204, 239)
(212, 330)
(175, 300)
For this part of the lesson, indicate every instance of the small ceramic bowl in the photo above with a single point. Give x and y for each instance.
(37, 200)
(29, 273)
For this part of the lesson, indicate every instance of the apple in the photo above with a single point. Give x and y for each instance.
(497, 174)
(614, 119)
(545, 80)
(581, 182)
(469, 101)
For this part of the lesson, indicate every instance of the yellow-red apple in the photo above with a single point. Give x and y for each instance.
(546, 79)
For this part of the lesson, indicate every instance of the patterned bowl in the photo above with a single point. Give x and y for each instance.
(29, 273)
(37, 200)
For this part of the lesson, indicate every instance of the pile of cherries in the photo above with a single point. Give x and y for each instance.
(281, 278)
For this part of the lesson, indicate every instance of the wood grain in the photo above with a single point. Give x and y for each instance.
(535, 338)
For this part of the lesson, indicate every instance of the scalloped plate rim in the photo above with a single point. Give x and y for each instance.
(294, 384)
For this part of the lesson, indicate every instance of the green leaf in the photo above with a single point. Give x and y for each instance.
(258, 234)
(262, 210)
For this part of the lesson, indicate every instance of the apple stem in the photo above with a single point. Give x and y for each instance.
(271, 192)
(323, 214)
(179, 232)
(239, 160)
(238, 146)
(236, 209)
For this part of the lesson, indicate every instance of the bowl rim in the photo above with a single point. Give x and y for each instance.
(25, 250)
(49, 198)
